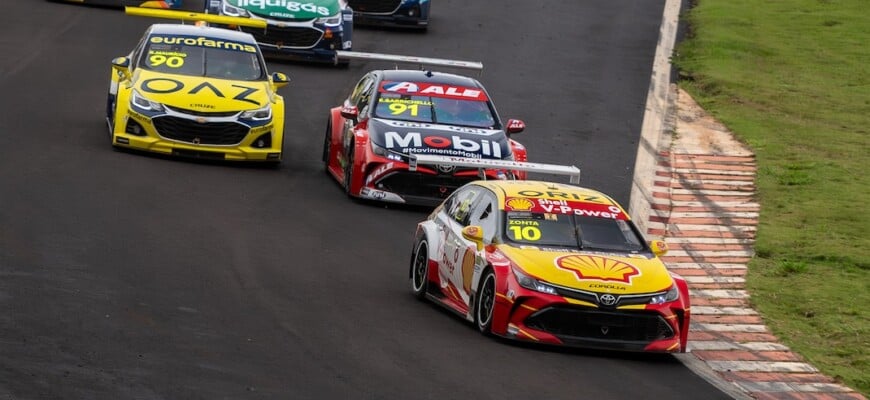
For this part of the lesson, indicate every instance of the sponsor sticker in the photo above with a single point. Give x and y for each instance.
(434, 90)
(569, 207)
(588, 267)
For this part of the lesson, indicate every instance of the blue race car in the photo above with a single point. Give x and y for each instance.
(393, 13)
(306, 30)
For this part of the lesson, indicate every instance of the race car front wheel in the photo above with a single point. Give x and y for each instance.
(420, 269)
(326, 146)
(485, 302)
(348, 170)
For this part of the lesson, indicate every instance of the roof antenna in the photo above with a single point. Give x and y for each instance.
(428, 73)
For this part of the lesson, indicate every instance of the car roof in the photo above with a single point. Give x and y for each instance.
(414, 75)
(533, 189)
(205, 31)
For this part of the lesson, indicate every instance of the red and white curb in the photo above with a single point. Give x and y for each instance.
(702, 205)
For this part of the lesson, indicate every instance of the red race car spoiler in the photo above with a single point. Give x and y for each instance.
(420, 61)
(482, 164)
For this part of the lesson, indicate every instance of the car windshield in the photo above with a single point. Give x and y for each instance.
(199, 56)
(571, 231)
(434, 109)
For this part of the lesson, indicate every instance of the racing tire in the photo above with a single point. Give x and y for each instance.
(484, 303)
(348, 171)
(420, 269)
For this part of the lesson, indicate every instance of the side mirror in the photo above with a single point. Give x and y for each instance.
(122, 65)
(515, 126)
(659, 247)
(279, 80)
(474, 233)
(349, 112)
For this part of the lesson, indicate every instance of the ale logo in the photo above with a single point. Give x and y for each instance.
(597, 268)
(519, 204)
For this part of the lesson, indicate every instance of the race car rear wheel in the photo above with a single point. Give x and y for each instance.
(485, 302)
(420, 269)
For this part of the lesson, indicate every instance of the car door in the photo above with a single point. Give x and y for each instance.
(456, 251)
(359, 98)
(485, 215)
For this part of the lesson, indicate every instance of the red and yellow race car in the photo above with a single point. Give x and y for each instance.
(549, 263)
(391, 115)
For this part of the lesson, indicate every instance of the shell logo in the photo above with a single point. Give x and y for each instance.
(519, 204)
(598, 268)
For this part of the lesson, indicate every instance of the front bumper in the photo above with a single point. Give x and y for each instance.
(407, 14)
(389, 180)
(176, 136)
(531, 316)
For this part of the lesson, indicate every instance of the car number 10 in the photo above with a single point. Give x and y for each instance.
(529, 233)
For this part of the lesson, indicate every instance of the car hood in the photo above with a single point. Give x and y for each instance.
(289, 9)
(440, 140)
(202, 94)
(595, 272)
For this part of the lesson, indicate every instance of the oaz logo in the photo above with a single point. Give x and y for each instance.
(166, 85)
(415, 139)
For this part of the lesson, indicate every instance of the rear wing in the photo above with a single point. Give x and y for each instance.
(482, 164)
(419, 61)
(187, 16)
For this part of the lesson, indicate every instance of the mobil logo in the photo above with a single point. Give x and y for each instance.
(435, 90)
(411, 140)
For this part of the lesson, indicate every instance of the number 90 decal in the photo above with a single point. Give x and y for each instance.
(156, 60)
(527, 233)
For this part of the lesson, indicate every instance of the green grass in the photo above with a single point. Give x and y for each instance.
(791, 78)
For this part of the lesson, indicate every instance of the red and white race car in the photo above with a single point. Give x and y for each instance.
(391, 115)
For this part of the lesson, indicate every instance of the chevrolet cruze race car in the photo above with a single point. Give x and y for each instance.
(549, 263)
(391, 115)
(309, 30)
(196, 91)
(394, 13)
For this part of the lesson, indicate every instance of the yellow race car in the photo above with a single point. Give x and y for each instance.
(197, 91)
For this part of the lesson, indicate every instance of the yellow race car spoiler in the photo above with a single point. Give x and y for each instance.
(482, 164)
(187, 16)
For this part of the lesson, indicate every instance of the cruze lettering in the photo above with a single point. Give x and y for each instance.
(168, 85)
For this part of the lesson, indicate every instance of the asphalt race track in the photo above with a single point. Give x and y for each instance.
(126, 276)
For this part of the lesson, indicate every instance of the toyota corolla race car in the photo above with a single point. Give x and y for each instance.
(391, 115)
(131, 3)
(196, 91)
(394, 13)
(549, 263)
(298, 30)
